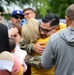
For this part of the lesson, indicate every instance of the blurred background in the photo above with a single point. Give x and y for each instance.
(42, 7)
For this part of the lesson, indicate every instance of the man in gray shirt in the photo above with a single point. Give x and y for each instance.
(59, 51)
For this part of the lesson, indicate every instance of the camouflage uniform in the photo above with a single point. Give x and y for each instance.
(25, 46)
(32, 60)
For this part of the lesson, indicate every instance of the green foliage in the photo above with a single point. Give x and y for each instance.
(45, 6)
(7, 16)
(20, 1)
(41, 6)
(1, 9)
(59, 6)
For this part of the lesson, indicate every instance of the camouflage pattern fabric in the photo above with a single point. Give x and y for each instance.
(32, 60)
(25, 46)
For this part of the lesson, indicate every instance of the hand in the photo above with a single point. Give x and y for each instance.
(38, 48)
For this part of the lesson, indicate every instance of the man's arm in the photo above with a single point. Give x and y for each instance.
(47, 57)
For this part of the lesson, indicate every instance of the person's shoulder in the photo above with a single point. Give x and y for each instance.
(6, 59)
(6, 56)
(54, 36)
(62, 26)
(42, 40)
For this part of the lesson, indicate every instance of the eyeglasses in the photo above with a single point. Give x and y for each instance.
(26, 14)
(17, 17)
(45, 30)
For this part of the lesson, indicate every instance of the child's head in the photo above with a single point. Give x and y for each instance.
(12, 44)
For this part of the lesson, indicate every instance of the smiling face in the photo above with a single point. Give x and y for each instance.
(46, 30)
(28, 14)
(49, 25)
(16, 20)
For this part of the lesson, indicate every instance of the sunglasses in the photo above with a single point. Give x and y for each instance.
(45, 30)
(17, 17)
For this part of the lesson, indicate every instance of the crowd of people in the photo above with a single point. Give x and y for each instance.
(28, 47)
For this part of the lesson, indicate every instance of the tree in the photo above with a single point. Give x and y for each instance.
(59, 6)
(43, 7)
(40, 6)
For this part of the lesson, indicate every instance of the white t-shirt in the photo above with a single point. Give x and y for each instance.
(21, 53)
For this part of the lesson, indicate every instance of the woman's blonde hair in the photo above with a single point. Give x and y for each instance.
(30, 32)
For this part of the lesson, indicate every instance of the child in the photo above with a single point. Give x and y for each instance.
(12, 45)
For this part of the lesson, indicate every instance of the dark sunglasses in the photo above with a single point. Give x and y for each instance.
(17, 17)
(45, 30)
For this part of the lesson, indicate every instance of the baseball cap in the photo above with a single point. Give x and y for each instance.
(17, 12)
